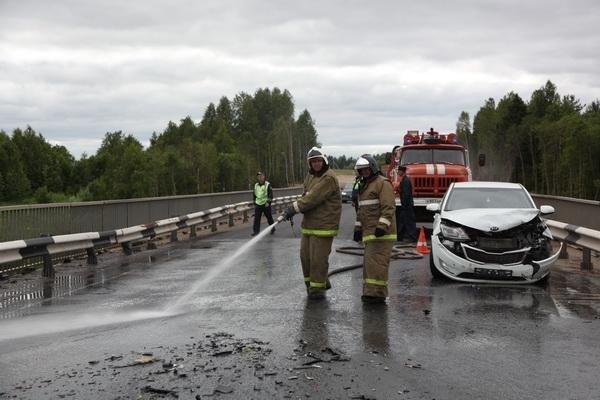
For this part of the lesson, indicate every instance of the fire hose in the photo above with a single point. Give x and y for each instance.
(398, 252)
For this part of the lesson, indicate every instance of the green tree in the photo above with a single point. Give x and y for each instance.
(465, 136)
(305, 137)
(14, 183)
(120, 167)
(209, 124)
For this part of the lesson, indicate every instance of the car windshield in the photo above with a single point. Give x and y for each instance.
(460, 198)
(348, 187)
(432, 156)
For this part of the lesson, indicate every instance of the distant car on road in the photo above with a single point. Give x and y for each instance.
(347, 192)
(488, 232)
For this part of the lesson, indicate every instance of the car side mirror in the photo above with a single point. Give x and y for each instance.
(481, 160)
(435, 207)
(545, 210)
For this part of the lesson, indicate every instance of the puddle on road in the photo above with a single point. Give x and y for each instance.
(576, 293)
(21, 296)
(21, 301)
(47, 323)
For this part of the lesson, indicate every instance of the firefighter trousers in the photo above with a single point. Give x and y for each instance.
(314, 256)
(375, 267)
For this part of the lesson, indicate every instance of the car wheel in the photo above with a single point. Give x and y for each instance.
(434, 271)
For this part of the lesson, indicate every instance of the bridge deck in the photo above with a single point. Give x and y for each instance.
(251, 333)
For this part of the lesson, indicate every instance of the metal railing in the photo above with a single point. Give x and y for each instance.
(583, 228)
(67, 221)
(587, 239)
(30, 221)
(573, 211)
(13, 253)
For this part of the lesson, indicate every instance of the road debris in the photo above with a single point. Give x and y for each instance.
(150, 389)
(223, 389)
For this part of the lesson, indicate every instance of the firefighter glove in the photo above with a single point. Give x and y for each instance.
(357, 236)
(379, 232)
(288, 213)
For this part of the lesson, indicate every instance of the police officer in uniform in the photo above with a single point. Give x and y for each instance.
(263, 196)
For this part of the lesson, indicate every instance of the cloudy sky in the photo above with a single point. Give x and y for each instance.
(366, 70)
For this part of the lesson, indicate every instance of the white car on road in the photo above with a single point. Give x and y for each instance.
(489, 232)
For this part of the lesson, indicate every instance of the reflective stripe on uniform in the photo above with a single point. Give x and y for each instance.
(357, 223)
(307, 279)
(368, 202)
(260, 192)
(385, 221)
(318, 284)
(376, 282)
(295, 205)
(369, 238)
(319, 232)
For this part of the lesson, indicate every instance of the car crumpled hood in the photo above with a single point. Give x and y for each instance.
(484, 218)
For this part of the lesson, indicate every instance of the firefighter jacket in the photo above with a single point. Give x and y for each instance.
(321, 204)
(376, 209)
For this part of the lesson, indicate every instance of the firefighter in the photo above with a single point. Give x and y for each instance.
(321, 204)
(376, 227)
(263, 196)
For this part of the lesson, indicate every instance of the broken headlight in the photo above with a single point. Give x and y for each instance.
(455, 233)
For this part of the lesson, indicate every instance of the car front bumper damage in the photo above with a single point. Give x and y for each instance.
(463, 270)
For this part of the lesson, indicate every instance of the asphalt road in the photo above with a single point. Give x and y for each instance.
(187, 321)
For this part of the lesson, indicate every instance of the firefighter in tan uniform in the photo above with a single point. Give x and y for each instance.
(375, 226)
(321, 204)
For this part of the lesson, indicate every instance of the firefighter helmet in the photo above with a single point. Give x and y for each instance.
(316, 152)
(367, 161)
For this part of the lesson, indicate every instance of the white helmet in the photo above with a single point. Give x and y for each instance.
(367, 161)
(316, 152)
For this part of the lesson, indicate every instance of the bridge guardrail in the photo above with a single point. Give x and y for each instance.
(27, 221)
(18, 250)
(588, 239)
(579, 213)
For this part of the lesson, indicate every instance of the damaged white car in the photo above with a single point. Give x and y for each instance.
(487, 232)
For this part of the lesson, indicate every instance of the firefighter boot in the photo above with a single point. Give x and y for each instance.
(316, 294)
(373, 299)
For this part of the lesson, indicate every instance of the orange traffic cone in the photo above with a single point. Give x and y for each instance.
(422, 243)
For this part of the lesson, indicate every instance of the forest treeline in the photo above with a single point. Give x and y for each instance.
(235, 139)
(550, 144)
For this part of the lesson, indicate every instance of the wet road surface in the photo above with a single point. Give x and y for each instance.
(110, 332)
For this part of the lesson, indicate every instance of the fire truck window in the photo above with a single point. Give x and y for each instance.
(416, 156)
(448, 156)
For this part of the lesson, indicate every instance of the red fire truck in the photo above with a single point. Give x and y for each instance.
(433, 161)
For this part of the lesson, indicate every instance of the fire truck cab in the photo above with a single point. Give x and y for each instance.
(433, 161)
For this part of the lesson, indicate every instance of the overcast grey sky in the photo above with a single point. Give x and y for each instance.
(366, 70)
